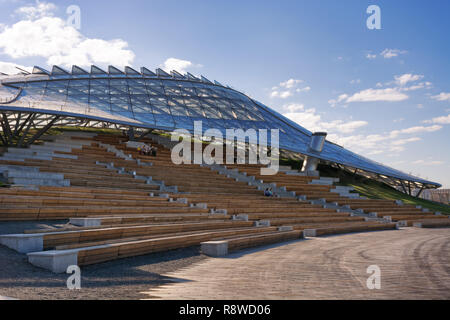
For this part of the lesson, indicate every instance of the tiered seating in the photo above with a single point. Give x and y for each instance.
(389, 208)
(301, 186)
(248, 200)
(119, 218)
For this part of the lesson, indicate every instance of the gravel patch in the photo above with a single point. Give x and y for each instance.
(122, 279)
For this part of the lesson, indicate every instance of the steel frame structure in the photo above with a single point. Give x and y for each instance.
(33, 103)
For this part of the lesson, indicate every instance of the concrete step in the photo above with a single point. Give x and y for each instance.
(32, 175)
(4, 168)
(50, 149)
(40, 182)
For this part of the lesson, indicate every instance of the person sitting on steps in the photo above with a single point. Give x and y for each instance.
(145, 150)
(268, 192)
(153, 151)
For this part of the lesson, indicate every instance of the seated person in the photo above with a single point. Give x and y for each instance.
(154, 150)
(146, 149)
(268, 192)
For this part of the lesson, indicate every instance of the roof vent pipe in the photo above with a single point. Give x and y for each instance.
(315, 146)
(317, 141)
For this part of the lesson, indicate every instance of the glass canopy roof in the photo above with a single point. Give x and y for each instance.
(165, 101)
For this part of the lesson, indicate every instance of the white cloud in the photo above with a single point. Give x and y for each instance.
(280, 94)
(428, 162)
(334, 102)
(414, 130)
(50, 38)
(407, 77)
(371, 56)
(287, 89)
(344, 127)
(309, 119)
(391, 53)
(369, 95)
(294, 107)
(392, 94)
(355, 81)
(291, 83)
(40, 10)
(421, 85)
(440, 120)
(305, 89)
(389, 143)
(10, 68)
(443, 96)
(178, 65)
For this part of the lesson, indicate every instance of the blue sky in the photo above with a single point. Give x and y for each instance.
(382, 93)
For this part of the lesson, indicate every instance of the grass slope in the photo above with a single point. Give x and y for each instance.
(377, 190)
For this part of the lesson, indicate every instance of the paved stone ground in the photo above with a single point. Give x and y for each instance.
(122, 279)
(414, 264)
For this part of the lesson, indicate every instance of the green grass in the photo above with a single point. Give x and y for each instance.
(377, 190)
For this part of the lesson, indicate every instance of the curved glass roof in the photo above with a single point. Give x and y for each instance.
(165, 101)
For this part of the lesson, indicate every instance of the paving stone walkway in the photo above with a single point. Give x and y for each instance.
(414, 264)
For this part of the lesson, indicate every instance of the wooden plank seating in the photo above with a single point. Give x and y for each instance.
(239, 243)
(355, 228)
(112, 251)
(435, 223)
(53, 239)
(129, 221)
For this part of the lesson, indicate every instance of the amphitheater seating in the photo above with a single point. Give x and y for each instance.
(134, 217)
(301, 185)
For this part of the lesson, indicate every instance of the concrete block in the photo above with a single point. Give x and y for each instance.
(285, 228)
(402, 223)
(437, 213)
(322, 182)
(173, 189)
(40, 182)
(387, 218)
(56, 261)
(417, 224)
(219, 211)
(215, 248)
(182, 200)
(199, 205)
(310, 232)
(261, 223)
(213, 212)
(23, 243)
(241, 217)
(86, 222)
(399, 202)
(373, 214)
(33, 175)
